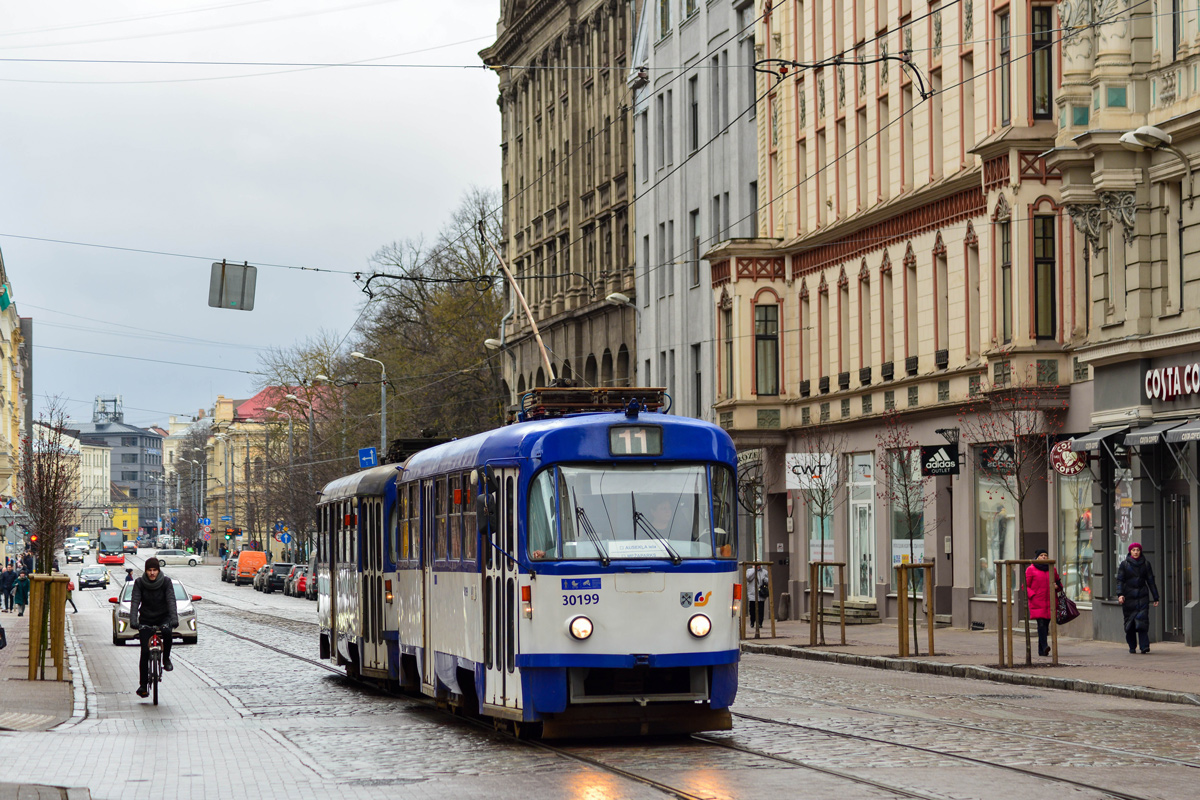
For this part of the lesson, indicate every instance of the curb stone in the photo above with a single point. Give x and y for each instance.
(975, 672)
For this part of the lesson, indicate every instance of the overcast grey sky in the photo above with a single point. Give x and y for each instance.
(312, 168)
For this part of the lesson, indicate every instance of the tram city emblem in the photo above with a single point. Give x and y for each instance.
(698, 599)
(1066, 462)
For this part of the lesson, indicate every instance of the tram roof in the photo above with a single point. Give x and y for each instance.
(568, 438)
(368, 482)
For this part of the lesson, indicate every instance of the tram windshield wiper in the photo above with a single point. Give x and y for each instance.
(640, 521)
(585, 524)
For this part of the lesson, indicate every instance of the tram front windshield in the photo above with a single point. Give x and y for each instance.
(632, 511)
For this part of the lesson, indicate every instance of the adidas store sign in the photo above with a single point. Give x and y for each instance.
(939, 460)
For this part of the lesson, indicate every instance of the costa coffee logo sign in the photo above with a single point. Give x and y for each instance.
(1066, 462)
(1168, 383)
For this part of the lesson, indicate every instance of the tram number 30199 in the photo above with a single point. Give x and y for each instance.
(580, 599)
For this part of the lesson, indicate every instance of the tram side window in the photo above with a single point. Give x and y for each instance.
(470, 532)
(724, 513)
(414, 520)
(542, 522)
(439, 510)
(455, 521)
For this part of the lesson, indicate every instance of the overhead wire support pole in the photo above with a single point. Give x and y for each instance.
(537, 335)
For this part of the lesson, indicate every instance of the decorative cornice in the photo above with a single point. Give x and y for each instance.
(1088, 221)
(1121, 207)
(1148, 346)
(971, 238)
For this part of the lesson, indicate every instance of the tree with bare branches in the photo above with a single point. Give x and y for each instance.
(49, 484)
(817, 473)
(1010, 428)
(905, 491)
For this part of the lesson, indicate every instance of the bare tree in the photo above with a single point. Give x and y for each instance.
(1010, 429)
(818, 473)
(906, 492)
(49, 483)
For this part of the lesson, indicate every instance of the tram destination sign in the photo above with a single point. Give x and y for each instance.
(939, 459)
(635, 440)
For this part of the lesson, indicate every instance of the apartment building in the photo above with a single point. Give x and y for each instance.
(1128, 140)
(696, 173)
(566, 170)
(913, 257)
(14, 385)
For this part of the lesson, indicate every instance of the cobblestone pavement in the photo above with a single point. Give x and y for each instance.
(238, 720)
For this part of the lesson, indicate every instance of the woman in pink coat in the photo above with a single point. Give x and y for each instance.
(1041, 597)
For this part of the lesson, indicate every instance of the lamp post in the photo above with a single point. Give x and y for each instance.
(291, 449)
(382, 403)
(310, 424)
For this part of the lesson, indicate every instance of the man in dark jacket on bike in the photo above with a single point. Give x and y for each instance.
(153, 606)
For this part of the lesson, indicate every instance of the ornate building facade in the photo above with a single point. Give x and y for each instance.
(567, 175)
(913, 259)
(1128, 140)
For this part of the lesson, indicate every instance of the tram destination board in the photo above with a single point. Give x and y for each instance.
(635, 440)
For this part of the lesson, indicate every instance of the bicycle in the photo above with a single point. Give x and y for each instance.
(154, 667)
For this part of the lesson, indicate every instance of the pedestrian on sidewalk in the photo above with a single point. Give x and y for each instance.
(1041, 598)
(70, 590)
(1135, 587)
(757, 590)
(21, 593)
(8, 579)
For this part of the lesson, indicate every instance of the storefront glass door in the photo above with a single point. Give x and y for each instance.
(862, 526)
(1177, 552)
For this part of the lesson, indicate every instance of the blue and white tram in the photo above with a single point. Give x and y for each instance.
(578, 572)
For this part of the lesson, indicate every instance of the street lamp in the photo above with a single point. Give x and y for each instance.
(620, 299)
(382, 403)
(1149, 137)
(291, 449)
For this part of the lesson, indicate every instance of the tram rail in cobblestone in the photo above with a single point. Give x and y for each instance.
(1117, 793)
(980, 729)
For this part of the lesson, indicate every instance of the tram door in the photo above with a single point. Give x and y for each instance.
(374, 648)
(1177, 545)
(500, 602)
(427, 582)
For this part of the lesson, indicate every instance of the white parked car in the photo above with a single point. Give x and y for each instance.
(168, 557)
(184, 603)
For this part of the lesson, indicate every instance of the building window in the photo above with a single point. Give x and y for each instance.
(694, 114)
(766, 350)
(1075, 544)
(753, 209)
(129, 441)
(694, 244)
(1043, 277)
(727, 354)
(1043, 62)
(664, 18)
(1005, 235)
(1005, 80)
(129, 458)
(697, 383)
(129, 476)
(690, 7)
(660, 139)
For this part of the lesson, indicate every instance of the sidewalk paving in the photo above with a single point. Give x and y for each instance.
(1170, 672)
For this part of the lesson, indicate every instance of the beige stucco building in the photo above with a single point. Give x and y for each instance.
(913, 257)
(13, 389)
(567, 177)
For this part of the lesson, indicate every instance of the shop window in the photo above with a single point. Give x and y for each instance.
(1075, 543)
(995, 528)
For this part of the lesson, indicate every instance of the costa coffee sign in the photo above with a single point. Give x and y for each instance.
(1168, 383)
(1066, 462)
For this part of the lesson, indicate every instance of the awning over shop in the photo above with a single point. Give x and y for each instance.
(1151, 433)
(1085, 444)
(1188, 432)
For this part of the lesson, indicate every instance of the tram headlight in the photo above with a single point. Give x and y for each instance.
(699, 626)
(580, 628)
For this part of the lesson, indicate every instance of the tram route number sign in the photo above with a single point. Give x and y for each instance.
(635, 440)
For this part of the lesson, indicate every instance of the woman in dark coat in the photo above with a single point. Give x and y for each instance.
(21, 593)
(1135, 587)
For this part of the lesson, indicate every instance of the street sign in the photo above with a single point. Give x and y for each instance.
(206, 521)
(232, 286)
(279, 526)
(286, 538)
(226, 519)
(368, 457)
(207, 537)
(939, 459)
(207, 530)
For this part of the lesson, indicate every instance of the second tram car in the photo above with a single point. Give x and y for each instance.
(575, 572)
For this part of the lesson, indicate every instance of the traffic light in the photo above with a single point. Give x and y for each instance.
(33, 539)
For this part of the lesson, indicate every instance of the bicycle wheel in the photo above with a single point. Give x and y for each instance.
(155, 673)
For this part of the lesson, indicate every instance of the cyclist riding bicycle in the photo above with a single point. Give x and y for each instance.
(153, 606)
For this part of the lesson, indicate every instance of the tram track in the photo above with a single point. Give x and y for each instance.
(978, 729)
(681, 793)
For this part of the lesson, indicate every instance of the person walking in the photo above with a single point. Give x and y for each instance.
(1135, 587)
(70, 590)
(757, 590)
(27, 562)
(1041, 597)
(8, 579)
(21, 593)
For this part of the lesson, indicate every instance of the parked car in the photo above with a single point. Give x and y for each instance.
(80, 542)
(94, 575)
(289, 583)
(129, 547)
(276, 576)
(169, 557)
(248, 564)
(301, 585)
(111, 558)
(229, 568)
(260, 577)
(184, 603)
(74, 554)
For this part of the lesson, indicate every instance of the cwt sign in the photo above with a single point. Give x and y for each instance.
(1168, 383)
